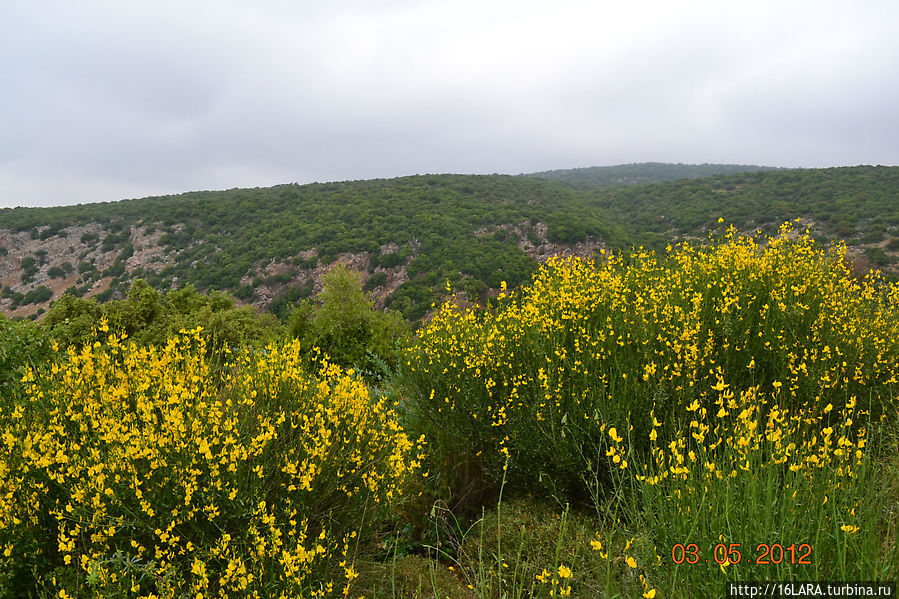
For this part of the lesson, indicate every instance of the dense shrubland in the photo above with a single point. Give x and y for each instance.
(217, 239)
(265, 245)
(858, 205)
(132, 470)
(636, 340)
(732, 393)
(576, 437)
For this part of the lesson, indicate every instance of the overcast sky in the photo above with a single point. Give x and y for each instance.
(106, 100)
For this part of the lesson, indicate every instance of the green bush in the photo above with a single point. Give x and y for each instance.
(38, 295)
(374, 281)
(22, 345)
(150, 318)
(56, 272)
(345, 327)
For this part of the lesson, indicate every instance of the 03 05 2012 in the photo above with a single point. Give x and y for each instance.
(798, 554)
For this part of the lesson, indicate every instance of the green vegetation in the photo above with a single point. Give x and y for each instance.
(56, 272)
(341, 323)
(38, 295)
(217, 238)
(708, 397)
(22, 344)
(346, 328)
(851, 203)
(151, 318)
(475, 231)
(155, 471)
(588, 435)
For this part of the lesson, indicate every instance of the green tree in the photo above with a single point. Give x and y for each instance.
(345, 326)
(71, 320)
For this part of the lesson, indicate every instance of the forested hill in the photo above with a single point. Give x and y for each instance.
(859, 205)
(408, 236)
(270, 246)
(642, 173)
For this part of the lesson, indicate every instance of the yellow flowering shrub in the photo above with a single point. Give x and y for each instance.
(553, 386)
(144, 471)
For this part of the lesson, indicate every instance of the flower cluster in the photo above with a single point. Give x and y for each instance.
(142, 471)
(738, 333)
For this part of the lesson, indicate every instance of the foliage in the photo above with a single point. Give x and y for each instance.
(215, 239)
(130, 469)
(150, 317)
(716, 398)
(56, 272)
(346, 328)
(764, 491)
(376, 280)
(451, 227)
(711, 397)
(38, 295)
(840, 203)
(592, 350)
(23, 345)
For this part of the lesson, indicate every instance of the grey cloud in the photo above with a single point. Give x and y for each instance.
(105, 100)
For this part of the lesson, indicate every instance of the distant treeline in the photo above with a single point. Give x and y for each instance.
(643, 173)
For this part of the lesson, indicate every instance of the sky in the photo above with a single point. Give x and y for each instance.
(107, 100)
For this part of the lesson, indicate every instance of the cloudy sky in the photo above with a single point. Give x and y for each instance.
(104, 100)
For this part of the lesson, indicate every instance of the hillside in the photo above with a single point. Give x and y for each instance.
(270, 246)
(858, 205)
(408, 236)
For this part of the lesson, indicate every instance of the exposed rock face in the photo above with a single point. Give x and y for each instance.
(56, 263)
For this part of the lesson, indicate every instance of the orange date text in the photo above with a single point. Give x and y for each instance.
(723, 554)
